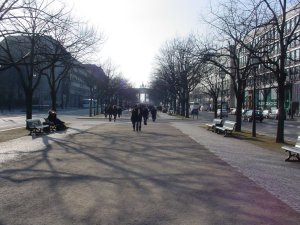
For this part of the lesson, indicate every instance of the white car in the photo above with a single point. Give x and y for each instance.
(233, 111)
(266, 113)
(273, 113)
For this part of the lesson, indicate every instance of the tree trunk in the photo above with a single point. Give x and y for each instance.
(187, 104)
(53, 99)
(90, 108)
(182, 104)
(182, 112)
(174, 105)
(29, 104)
(98, 104)
(215, 102)
(281, 113)
(101, 105)
(178, 107)
(239, 106)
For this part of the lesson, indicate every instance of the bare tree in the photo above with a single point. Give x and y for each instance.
(163, 88)
(180, 67)
(233, 25)
(274, 27)
(5, 7)
(91, 80)
(112, 73)
(122, 90)
(189, 70)
(24, 49)
(279, 30)
(8, 9)
(69, 42)
(165, 76)
(211, 86)
(159, 90)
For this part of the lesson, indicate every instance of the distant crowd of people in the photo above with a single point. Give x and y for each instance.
(112, 111)
(139, 114)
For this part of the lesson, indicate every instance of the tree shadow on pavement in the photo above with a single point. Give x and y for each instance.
(111, 175)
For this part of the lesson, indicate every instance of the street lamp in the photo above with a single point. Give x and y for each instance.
(255, 67)
(94, 99)
(222, 76)
(91, 101)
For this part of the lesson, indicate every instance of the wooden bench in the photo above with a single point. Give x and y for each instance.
(293, 151)
(228, 127)
(214, 124)
(35, 126)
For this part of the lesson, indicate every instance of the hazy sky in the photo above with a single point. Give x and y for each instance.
(136, 29)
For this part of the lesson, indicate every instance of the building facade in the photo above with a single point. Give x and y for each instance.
(266, 83)
(71, 86)
(266, 94)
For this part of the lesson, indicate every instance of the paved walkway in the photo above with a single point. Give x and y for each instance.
(104, 173)
(267, 168)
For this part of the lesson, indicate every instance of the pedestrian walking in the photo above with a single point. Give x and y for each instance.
(153, 112)
(110, 112)
(106, 111)
(136, 118)
(195, 112)
(119, 111)
(115, 112)
(145, 113)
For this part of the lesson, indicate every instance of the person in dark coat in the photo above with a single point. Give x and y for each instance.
(52, 117)
(115, 112)
(136, 118)
(119, 111)
(145, 114)
(110, 112)
(105, 111)
(195, 112)
(153, 113)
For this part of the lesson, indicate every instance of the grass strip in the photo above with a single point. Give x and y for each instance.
(261, 140)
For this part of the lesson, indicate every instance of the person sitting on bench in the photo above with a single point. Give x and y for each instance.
(52, 117)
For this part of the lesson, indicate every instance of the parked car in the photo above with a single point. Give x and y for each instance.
(233, 111)
(266, 113)
(224, 113)
(244, 111)
(204, 107)
(170, 111)
(248, 115)
(274, 113)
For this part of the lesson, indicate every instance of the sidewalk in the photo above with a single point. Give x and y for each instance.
(266, 168)
(101, 172)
